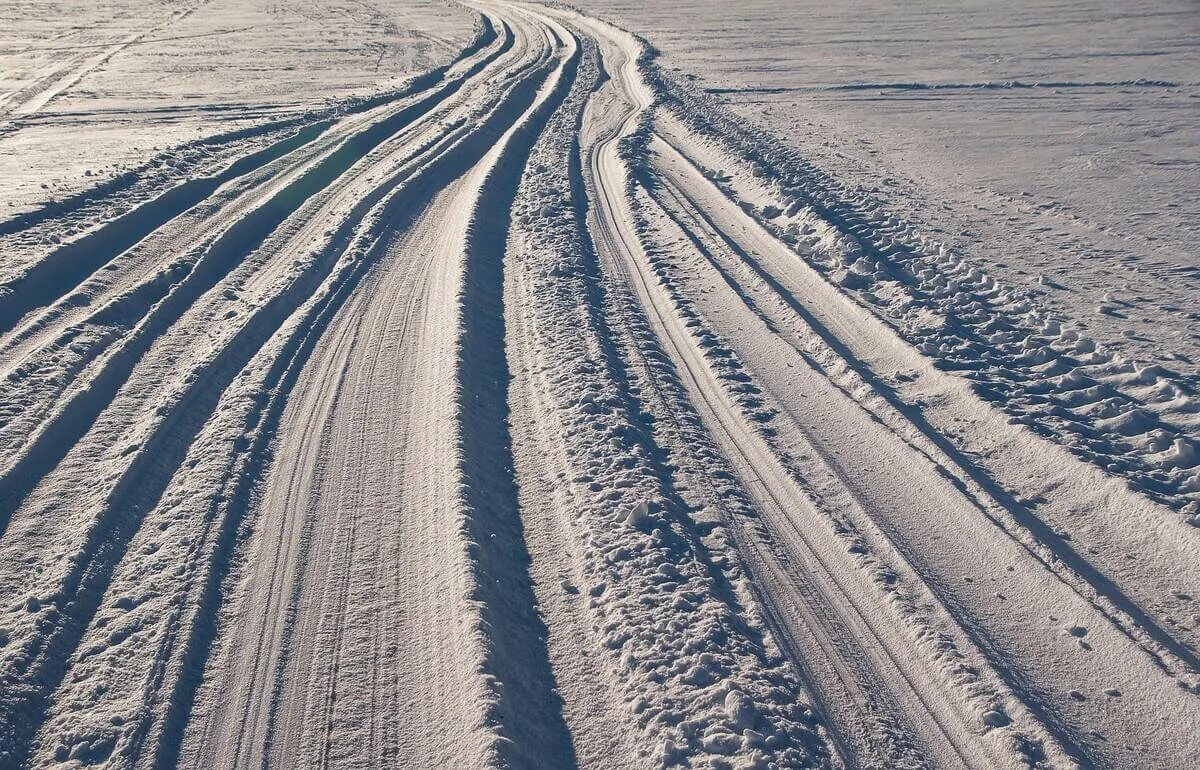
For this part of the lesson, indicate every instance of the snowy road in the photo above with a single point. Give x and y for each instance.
(533, 414)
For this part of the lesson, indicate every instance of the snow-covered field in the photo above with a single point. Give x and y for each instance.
(429, 385)
(1056, 138)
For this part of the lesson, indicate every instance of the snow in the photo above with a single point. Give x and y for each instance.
(421, 384)
(186, 71)
(1054, 138)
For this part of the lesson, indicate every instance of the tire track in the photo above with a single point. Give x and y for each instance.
(145, 480)
(840, 481)
(622, 258)
(76, 413)
(326, 751)
(1003, 639)
(44, 93)
(477, 424)
(191, 232)
(517, 649)
(1030, 533)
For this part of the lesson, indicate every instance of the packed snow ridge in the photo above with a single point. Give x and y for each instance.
(533, 410)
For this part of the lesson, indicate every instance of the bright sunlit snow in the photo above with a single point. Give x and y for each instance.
(638, 385)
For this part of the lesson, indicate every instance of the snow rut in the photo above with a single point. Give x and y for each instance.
(535, 415)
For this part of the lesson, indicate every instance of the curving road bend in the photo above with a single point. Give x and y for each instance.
(501, 423)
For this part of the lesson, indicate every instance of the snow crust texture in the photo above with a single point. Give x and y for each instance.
(521, 406)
